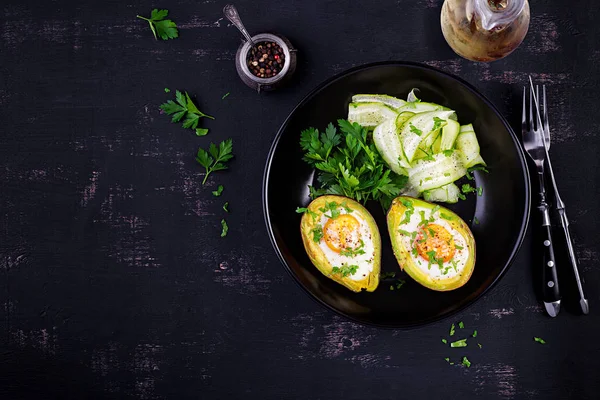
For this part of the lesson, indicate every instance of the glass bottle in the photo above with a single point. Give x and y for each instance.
(484, 30)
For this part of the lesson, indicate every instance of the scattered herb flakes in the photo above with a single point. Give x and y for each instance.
(225, 228)
(461, 325)
(405, 233)
(446, 216)
(218, 192)
(215, 158)
(302, 210)
(185, 107)
(475, 333)
(448, 153)
(387, 275)
(224, 96)
(415, 130)
(462, 196)
(447, 359)
(437, 123)
(539, 340)
(459, 343)
(400, 283)
(391, 287)
(161, 27)
(467, 188)
(475, 221)
(478, 168)
(317, 233)
(167, 90)
(444, 341)
(479, 344)
(333, 207)
(458, 247)
(480, 191)
(226, 206)
(345, 270)
(353, 252)
(452, 330)
(466, 362)
(346, 208)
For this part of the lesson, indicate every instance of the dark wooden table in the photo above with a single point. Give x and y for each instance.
(114, 280)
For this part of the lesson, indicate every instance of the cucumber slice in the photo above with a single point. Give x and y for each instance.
(387, 142)
(379, 98)
(447, 194)
(449, 134)
(423, 123)
(403, 117)
(468, 145)
(370, 115)
(430, 174)
(419, 107)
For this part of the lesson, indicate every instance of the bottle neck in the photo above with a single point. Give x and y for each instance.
(497, 13)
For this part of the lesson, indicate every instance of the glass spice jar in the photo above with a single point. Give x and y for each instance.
(484, 30)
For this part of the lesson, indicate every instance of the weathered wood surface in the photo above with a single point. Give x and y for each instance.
(114, 282)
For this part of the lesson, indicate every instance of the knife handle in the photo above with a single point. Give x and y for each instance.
(550, 288)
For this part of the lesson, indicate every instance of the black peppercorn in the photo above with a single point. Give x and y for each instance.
(266, 59)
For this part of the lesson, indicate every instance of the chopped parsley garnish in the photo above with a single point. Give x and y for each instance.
(452, 329)
(448, 153)
(405, 233)
(454, 265)
(333, 207)
(475, 333)
(226, 206)
(539, 340)
(167, 90)
(410, 210)
(479, 344)
(458, 247)
(428, 156)
(445, 342)
(437, 123)
(478, 168)
(435, 209)
(446, 216)
(467, 188)
(461, 325)
(466, 362)
(301, 210)
(218, 192)
(345, 270)
(350, 252)
(475, 221)
(415, 130)
(400, 283)
(462, 196)
(469, 176)
(224, 96)
(387, 275)
(224, 227)
(447, 359)
(391, 287)
(415, 252)
(423, 219)
(317, 233)
(345, 207)
(459, 343)
(479, 191)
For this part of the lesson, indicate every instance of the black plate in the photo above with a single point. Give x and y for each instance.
(502, 210)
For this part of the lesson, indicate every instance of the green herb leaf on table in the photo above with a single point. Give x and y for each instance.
(459, 343)
(466, 362)
(218, 192)
(539, 340)
(479, 344)
(167, 90)
(224, 96)
(444, 341)
(475, 333)
(224, 227)
(461, 325)
(215, 158)
(183, 108)
(452, 330)
(226, 206)
(387, 275)
(475, 221)
(161, 27)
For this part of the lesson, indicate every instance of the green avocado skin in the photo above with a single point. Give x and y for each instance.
(404, 257)
(317, 257)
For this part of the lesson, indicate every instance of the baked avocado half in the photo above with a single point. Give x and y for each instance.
(342, 240)
(431, 243)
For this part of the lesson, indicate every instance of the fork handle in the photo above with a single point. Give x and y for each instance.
(550, 289)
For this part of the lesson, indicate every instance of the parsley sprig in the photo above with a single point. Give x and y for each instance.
(161, 27)
(345, 270)
(185, 107)
(348, 165)
(215, 158)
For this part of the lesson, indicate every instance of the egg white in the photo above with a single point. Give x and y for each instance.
(460, 256)
(363, 261)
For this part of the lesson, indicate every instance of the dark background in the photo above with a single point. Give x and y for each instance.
(114, 281)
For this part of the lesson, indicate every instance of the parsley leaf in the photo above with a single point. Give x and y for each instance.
(345, 270)
(218, 192)
(458, 247)
(415, 130)
(317, 233)
(224, 96)
(461, 325)
(167, 90)
(479, 191)
(475, 221)
(387, 275)
(165, 28)
(478, 168)
(333, 207)
(437, 123)
(539, 340)
(446, 216)
(445, 342)
(479, 344)
(461, 196)
(452, 330)
(185, 107)
(466, 362)
(226, 206)
(475, 333)
(448, 153)
(215, 158)
(350, 252)
(225, 228)
(459, 343)
(467, 188)
(405, 233)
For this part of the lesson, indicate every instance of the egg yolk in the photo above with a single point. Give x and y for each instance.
(437, 239)
(342, 233)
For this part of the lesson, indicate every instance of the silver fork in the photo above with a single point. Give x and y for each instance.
(533, 141)
(560, 205)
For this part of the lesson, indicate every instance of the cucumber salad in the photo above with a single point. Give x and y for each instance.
(419, 140)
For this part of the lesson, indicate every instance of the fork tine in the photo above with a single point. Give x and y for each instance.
(545, 117)
(531, 119)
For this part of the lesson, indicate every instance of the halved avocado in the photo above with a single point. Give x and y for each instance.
(312, 219)
(396, 220)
